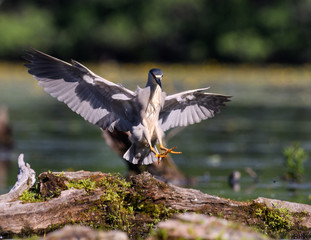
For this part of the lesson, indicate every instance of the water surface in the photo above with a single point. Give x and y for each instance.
(264, 117)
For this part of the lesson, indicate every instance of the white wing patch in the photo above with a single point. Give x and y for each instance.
(190, 107)
(190, 97)
(88, 79)
(120, 96)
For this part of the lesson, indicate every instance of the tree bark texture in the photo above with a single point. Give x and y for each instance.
(103, 200)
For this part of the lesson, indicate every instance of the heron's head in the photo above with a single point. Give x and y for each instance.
(155, 76)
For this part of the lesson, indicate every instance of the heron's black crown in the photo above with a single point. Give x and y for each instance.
(156, 72)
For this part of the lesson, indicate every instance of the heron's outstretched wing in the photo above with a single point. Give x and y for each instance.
(96, 99)
(190, 107)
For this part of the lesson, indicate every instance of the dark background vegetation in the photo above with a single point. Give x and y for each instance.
(258, 31)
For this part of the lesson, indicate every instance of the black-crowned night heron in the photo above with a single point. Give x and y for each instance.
(146, 113)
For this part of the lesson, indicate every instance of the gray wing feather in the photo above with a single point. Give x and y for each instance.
(190, 107)
(84, 92)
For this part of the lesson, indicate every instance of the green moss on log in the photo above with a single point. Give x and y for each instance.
(120, 205)
(279, 222)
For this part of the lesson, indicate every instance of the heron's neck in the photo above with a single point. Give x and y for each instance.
(154, 87)
(152, 84)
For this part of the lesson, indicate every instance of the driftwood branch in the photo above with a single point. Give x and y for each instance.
(134, 206)
(25, 179)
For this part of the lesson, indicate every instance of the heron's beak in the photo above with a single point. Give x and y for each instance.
(158, 80)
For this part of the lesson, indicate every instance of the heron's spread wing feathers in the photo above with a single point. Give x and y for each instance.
(190, 107)
(96, 99)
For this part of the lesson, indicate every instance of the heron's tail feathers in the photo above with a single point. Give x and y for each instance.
(138, 155)
(129, 154)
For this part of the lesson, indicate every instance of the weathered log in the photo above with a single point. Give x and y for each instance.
(108, 201)
(198, 226)
(85, 233)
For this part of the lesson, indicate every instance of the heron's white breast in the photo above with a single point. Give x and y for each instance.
(151, 117)
(154, 105)
(157, 97)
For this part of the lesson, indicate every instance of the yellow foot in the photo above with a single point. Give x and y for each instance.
(163, 155)
(160, 156)
(169, 150)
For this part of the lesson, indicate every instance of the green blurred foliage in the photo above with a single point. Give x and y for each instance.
(19, 30)
(159, 30)
(245, 45)
(295, 156)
